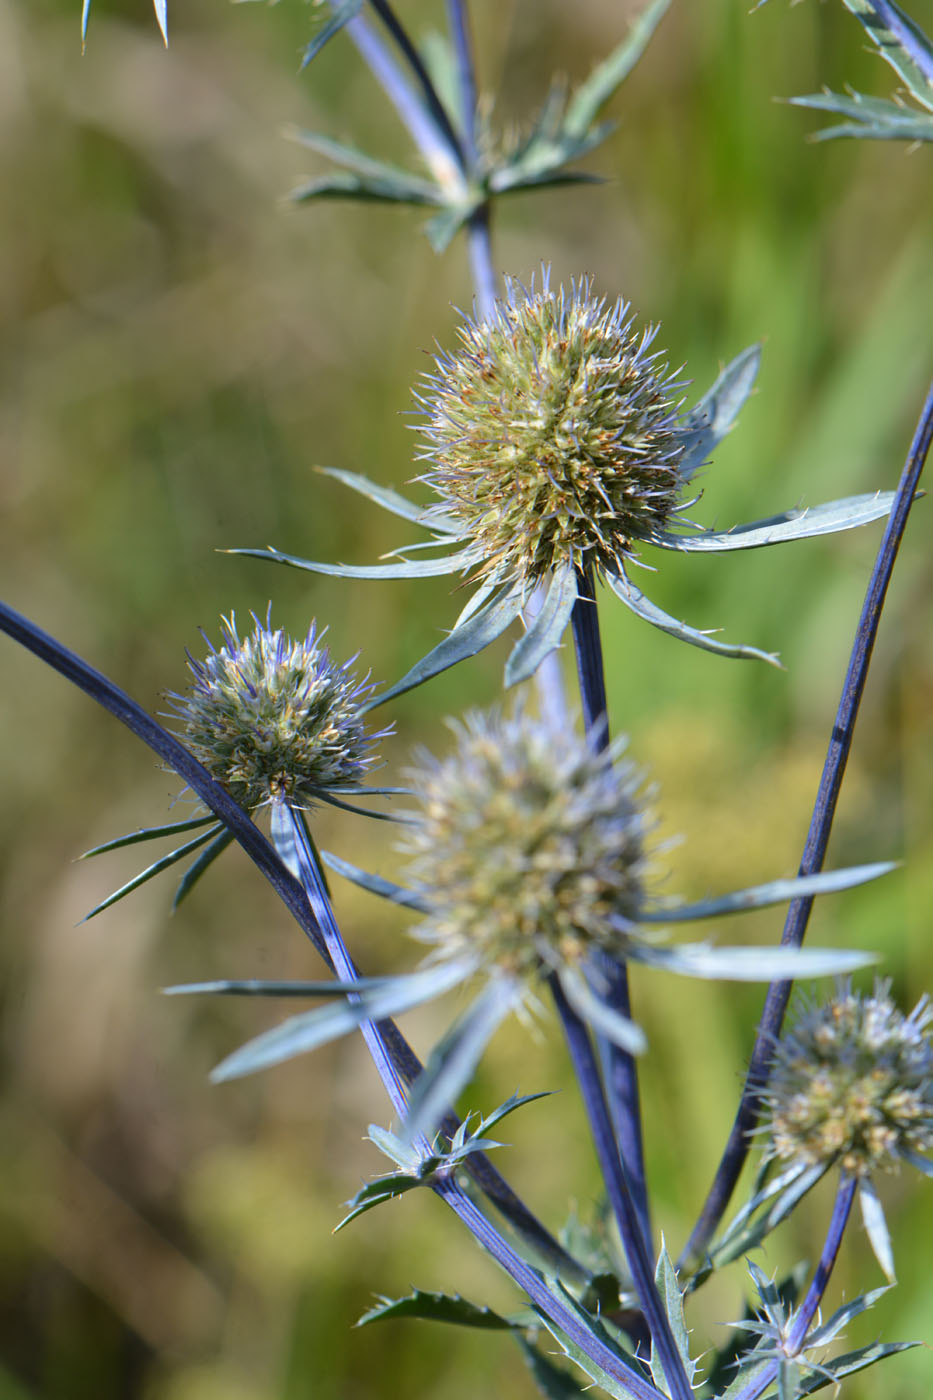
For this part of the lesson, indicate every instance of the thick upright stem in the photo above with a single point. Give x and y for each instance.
(824, 811)
(620, 1195)
(620, 1069)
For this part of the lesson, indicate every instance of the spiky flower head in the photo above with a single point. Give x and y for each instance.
(528, 848)
(274, 719)
(853, 1082)
(553, 430)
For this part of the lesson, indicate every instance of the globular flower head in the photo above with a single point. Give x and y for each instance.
(274, 719)
(528, 848)
(853, 1082)
(553, 430)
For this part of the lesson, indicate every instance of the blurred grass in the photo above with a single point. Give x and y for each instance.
(177, 349)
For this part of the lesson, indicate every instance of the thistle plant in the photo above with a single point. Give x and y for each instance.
(558, 446)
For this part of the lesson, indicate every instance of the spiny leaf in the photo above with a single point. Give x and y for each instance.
(671, 1296)
(361, 163)
(152, 870)
(386, 889)
(197, 868)
(774, 892)
(386, 1188)
(342, 11)
(546, 630)
(714, 415)
(871, 117)
(901, 43)
(390, 500)
(799, 524)
(779, 964)
(643, 607)
(470, 637)
(851, 1362)
(452, 1062)
(552, 1382)
(612, 72)
(150, 833)
(413, 568)
(387, 188)
(299, 1034)
(437, 1307)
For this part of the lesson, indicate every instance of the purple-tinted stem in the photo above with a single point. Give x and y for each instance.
(620, 1068)
(458, 23)
(438, 113)
(805, 1314)
(919, 54)
(533, 1284)
(405, 1062)
(620, 1195)
(440, 158)
(814, 853)
(174, 753)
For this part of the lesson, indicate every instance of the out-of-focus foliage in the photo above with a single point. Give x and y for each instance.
(178, 348)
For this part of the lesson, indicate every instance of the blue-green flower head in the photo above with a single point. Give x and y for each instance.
(527, 847)
(274, 719)
(554, 435)
(852, 1083)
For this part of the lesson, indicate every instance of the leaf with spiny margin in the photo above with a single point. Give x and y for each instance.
(828, 1331)
(438, 1307)
(871, 118)
(152, 870)
(403, 1154)
(901, 42)
(876, 1227)
(386, 889)
(552, 1382)
(391, 500)
(197, 867)
(851, 1362)
(387, 188)
(384, 1188)
(362, 164)
(643, 607)
(150, 833)
(774, 892)
(256, 987)
(512, 1103)
(609, 75)
(714, 415)
(546, 629)
(341, 12)
(471, 637)
(300, 1034)
(780, 964)
(604, 1019)
(751, 1368)
(802, 523)
(409, 568)
(451, 1064)
(744, 1233)
(637, 1386)
(672, 1301)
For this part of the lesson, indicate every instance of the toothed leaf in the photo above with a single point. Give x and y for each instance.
(801, 524)
(408, 568)
(341, 11)
(714, 415)
(642, 607)
(774, 892)
(437, 1307)
(611, 73)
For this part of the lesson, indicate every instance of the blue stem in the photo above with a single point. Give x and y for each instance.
(530, 1280)
(620, 1194)
(421, 127)
(406, 1065)
(814, 853)
(804, 1316)
(458, 24)
(891, 20)
(432, 101)
(621, 1070)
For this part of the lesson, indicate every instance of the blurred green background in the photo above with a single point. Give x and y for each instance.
(177, 349)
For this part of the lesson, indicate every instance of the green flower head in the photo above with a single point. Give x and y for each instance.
(528, 848)
(274, 719)
(852, 1083)
(554, 434)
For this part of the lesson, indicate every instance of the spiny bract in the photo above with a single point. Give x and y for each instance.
(853, 1082)
(554, 434)
(275, 719)
(528, 847)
